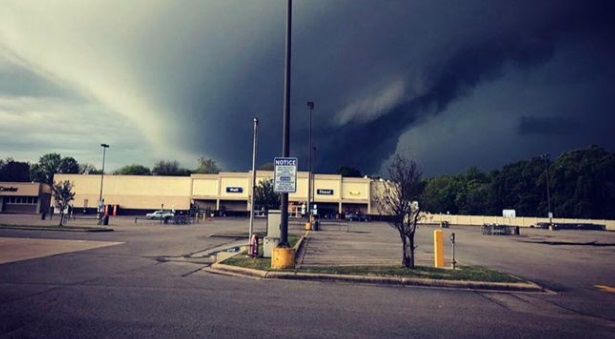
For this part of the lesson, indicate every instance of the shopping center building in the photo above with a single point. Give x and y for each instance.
(226, 193)
(24, 197)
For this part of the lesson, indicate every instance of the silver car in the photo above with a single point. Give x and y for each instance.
(160, 214)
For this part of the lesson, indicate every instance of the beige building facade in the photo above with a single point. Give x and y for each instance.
(225, 192)
(24, 197)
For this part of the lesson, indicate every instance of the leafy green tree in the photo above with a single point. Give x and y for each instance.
(582, 183)
(518, 187)
(170, 168)
(63, 194)
(265, 197)
(347, 171)
(472, 192)
(400, 196)
(207, 166)
(133, 169)
(50, 164)
(14, 171)
(439, 195)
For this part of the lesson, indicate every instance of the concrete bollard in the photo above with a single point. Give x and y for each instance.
(438, 248)
(283, 257)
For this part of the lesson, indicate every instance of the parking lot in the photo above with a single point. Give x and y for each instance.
(132, 276)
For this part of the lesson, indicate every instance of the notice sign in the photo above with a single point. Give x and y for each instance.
(285, 175)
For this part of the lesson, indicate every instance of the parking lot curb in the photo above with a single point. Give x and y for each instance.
(238, 270)
(402, 281)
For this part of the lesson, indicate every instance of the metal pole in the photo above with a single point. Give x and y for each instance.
(454, 262)
(253, 180)
(313, 152)
(102, 175)
(310, 105)
(546, 157)
(286, 125)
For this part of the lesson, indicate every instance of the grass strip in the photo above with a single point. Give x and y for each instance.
(463, 273)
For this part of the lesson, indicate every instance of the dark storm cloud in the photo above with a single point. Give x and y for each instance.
(190, 78)
(547, 125)
(523, 45)
(351, 49)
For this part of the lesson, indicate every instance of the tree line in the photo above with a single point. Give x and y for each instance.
(50, 164)
(580, 184)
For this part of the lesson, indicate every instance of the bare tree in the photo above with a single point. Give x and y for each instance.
(63, 194)
(207, 166)
(398, 198)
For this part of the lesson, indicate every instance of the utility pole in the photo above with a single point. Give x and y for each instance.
(550, 214)
(102, 175)
(310, 105)
(253, 180)
(286, 125)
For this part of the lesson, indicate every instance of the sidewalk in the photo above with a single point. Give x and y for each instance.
(81, 223)
(358, 243)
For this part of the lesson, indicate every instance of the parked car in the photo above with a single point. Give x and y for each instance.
(356, 217)
(160, 214)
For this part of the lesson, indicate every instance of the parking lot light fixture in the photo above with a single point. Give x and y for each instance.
(545, 157)
(310, 105)
(251, 229)
(102, 175)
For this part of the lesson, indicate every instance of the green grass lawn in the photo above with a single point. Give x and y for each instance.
(466, 273)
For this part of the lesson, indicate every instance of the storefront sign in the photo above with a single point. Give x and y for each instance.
(324, 191)
(234, 190)
(8, 189)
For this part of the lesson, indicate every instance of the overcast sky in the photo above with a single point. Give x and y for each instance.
(453, 84)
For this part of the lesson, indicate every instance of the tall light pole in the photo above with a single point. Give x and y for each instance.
(253, 180)
(546, 159)
(286, 125)
(102, 175)
(310, 105)
(312, 155)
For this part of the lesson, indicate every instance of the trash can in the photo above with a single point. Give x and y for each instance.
(106, 220)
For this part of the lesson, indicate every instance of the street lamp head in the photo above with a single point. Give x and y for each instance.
(104, 145)
(310, 104)
(256, 121)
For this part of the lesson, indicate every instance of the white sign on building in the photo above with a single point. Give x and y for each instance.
(509, 213)
(285, 175)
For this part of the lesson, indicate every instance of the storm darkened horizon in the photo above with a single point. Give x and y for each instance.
(453, 85)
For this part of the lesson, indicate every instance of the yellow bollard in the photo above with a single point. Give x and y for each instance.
(283, 257)
(438, 248)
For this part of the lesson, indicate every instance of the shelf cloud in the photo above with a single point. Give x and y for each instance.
(160, 80)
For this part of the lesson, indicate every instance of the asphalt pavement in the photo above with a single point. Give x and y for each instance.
(132, 282)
